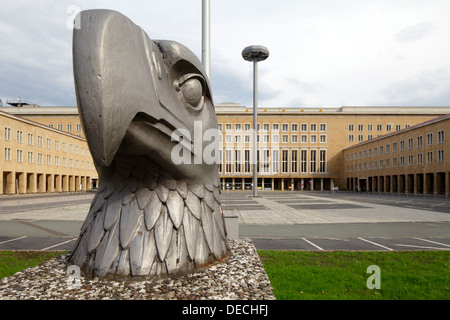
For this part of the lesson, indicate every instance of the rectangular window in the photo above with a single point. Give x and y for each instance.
(350, 138)
(294, 138)
(266, 161)
(247, 127)
(284, 161)
(275, 127)
(322, 161)
(238, 139)
(275, 156)
(313, 161)
(303, 161)
(19, 156)
(350, 127)
(304, 127)
(294, 127)
(294, 162)
(430, 139)
(237, 159)
(228, 161)
(7, 134)
(441, 156)
(430, 157)
(441, 136)
(7, 154)
(237, 127)
(30, 139)
(247, 161)
(285, 127)
(410, 143)
(419, 158)
(313, 127)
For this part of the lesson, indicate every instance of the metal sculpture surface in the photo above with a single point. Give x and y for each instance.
(150, 215)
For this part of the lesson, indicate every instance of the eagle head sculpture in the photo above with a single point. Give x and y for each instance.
(151, 215)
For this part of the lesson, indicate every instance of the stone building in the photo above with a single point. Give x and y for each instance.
(413, 160)
(37, 158)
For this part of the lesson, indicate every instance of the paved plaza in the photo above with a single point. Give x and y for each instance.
(274, 220)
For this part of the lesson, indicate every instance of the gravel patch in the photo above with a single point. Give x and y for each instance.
(240, 277)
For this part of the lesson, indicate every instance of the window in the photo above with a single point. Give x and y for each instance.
(350, 138)
(228, 127)
(303, 161)
(430, 157)
(379, 127)
(313, 160)
(420, 158)
(30, 139)
(402, 161)
(430, 139)
(294, 156)
(323, 138)
(247, 127)
(266, 161)
(275, 127)
(266, 138)
(247, 161)
(350, 127)
(60, 127)
(375, 152)
(313, 127)
(402, 145)
(237, 159)
(441, 136)
(266, 127)
(228, 138)
(388, 163)
(69, 127)
(7, 154)
(294, 127)
(284, 161)
(285, 127)
(57, 146)
(388, 148)
(304, 138)
(441, 157)
(389, 127)
(410, 143)
(360, 137)
(394, 162)
(398, 127)
(247, 138)
(228, 161)
(237, 127)
(275, 138)
(410, 160)
(360, 127)
(19, 156)
(40, 142)
(322, 161)
(323, 127)
(285, 138)
(294, 138)
(369, 137)
(304, 127)
(78, 127)
(40, 158)
(275, 155)
(381, 150)
(49, 160)
(49, 143)
(394, 147)
(419, 141)
(7, 134)
(30, 157)
(369, 127)
(19, 136)
(238, 139)
(313, 138)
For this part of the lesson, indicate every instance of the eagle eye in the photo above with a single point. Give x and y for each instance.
(192, 89)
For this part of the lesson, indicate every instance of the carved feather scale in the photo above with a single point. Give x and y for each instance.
(145, 224)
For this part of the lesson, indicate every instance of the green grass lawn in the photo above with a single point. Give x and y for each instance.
(14, 261)
(409, 275)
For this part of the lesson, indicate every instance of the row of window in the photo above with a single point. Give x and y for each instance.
(274, 161)
(276, 127)
(275, 138)
(40, 142)
(379, 127)
(68, 127)
(40, 159)
(397, 162)
(387, 148)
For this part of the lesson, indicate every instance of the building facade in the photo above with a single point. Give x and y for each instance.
(301, 149)
(37, 158)
(298, 148)
(413, 160)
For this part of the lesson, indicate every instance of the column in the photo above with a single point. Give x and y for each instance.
(321, 184)
(10, 183)
(22, 178)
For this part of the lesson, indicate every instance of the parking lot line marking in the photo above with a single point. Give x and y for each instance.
(442, 244)
(59, 244)
(10, 240)
(314, 245)
(420, 247)
(376, 244)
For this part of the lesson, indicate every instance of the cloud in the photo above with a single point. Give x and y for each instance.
(431, 88)
(414, 33)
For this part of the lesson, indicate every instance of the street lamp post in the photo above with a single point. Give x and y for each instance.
(255, 54)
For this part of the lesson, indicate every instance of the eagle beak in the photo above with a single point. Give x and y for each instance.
(113, 62)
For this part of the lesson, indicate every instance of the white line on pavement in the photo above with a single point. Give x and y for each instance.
(59, 244)
(313, 244)
(376, 244)
(421, 247)
(442, 244)
(10, 240)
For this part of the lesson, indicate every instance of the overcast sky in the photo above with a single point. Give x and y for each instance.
(323, 53)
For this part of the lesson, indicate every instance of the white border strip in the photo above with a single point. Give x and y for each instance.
(59, 244)
(442, 244)
(314, 245)
(376, 244)
(10, 240)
